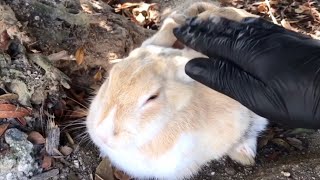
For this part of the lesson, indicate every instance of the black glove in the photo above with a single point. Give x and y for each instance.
(272, 71)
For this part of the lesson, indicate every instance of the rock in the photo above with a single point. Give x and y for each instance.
(17, 162)
(230, 170)
(286, 174)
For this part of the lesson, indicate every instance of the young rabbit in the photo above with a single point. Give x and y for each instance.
(153, 121)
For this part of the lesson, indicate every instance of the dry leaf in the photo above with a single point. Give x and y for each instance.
(9, 97)
(22, 121)
(98, 75)
(4, 40)
(281, 142)
(274, 2)
(80, 55)
(36, 138)
(11, 111)
(121, 175)
(298, 10)
(287, 25)
(66, 150)
(263, 8)
(104, 170)
(46, 162)
(3, 128)
(295, 143)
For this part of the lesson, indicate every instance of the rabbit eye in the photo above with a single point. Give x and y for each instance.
(153, 97)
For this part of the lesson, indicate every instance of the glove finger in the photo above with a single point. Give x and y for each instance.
(267, 25)
(228, 79)
(222, 38)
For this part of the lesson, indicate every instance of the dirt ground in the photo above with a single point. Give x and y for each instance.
(55, 53)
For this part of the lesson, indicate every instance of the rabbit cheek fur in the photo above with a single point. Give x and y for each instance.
(153, 121)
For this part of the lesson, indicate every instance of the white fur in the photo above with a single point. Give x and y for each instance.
(187, 156)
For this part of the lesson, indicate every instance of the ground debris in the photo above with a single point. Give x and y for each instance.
(53, 138)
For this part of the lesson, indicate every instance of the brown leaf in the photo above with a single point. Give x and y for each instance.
(3, 128)
(9, 96)
(11, 111)
(263, 8)
(274, 2)
(80, 55)
(281, 142)
(302, 9)
(98, 75)
(46, 162)
(121, 175)
(22, 121)
(287, 25)
(66, 150)
(36, 138)
(4, 40)
(295, 143)
(104, 170)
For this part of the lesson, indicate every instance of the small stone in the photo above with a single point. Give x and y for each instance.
(66, 150)
(212, 173)
(230, 171)
(18, 162)
(76, 164)
(37, 18)
(286, 174)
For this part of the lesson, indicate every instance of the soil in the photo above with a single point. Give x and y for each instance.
(42, 64)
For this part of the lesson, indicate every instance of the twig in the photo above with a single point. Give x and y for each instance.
(270, 13)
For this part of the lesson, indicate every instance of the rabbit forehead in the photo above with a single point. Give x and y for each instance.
(132, 78)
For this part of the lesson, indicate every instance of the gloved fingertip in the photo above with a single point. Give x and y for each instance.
(249, 19)
(197, 68)
(192, 21)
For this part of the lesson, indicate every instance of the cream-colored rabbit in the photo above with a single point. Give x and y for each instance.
(153, 121)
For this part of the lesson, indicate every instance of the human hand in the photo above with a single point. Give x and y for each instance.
(269, 69)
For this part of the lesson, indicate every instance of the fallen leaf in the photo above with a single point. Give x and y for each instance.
(4, 40)
(36, 138)
(281, 142)
(80, 55)
(120, 175)
(22, 121)
(11, 111)
(295, 143)
(66, 150)
(315, 14)
(262, 8)
(104, 170)
(9, 96)
(3, 128)
(274, 2)
(300, 131)
(46, 162)
(98, 75)
(287, 25)
(60, 55)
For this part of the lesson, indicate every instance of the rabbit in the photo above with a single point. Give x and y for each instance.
(151, 120)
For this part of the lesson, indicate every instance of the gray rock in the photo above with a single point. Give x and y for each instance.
(18, 163)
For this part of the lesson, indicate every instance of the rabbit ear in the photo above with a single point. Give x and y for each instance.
(180, 61)
(164, 37)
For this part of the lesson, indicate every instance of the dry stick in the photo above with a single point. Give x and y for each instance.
(270, 13)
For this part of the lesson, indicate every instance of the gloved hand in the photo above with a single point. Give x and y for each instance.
(272, 71)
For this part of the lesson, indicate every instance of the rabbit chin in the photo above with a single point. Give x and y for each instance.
(181, 161)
